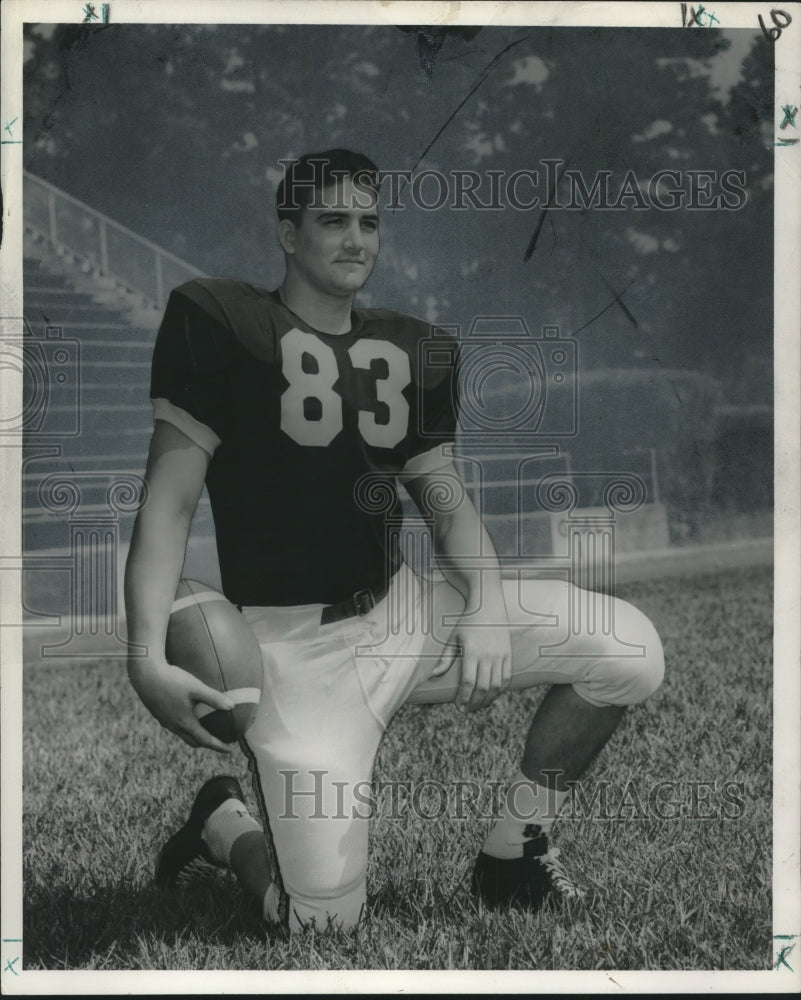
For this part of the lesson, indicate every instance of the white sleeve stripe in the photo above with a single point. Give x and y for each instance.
(201, 434)
(437, 458)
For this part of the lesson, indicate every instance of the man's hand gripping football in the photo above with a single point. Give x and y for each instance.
(170, 695)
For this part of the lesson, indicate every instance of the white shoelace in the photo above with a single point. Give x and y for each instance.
(559, 877)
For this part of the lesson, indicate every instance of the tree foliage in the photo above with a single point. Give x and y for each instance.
(178, 132)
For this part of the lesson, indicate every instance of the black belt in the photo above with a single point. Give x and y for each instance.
(352, 607)
(356, 606)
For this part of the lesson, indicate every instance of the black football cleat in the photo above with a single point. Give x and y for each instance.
(185, 851)
(525, 882)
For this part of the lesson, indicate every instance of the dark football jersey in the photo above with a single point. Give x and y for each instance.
(307, 431)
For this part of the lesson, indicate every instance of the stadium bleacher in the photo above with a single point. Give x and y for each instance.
(87, 343)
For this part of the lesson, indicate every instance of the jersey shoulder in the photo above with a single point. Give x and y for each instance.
(404, 323)
(433, 351)
(248, 313)
(218, 295)
(408, 331)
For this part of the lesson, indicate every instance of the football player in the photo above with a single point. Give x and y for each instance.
(301, 414)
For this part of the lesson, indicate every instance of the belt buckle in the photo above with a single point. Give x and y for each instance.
(360, 598)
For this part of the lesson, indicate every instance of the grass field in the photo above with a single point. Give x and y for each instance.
(104, 785)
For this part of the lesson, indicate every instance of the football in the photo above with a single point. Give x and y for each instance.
(210, 638)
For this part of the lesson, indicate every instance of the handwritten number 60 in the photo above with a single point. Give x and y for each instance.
(772, 34)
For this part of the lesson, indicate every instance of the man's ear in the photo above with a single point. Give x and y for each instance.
(286, 235)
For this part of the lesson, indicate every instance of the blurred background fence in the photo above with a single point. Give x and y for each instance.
(112, 249)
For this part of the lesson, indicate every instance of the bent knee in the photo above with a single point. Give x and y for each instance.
(634, 665)
(642, 677)
(326, 881)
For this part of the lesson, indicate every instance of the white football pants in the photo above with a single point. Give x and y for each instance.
(330, 691)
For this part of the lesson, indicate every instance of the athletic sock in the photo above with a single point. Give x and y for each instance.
(224, 827)
(526, 804)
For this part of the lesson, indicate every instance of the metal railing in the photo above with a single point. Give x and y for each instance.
(114, 250)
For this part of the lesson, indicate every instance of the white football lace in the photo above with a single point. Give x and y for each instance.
(561, 880)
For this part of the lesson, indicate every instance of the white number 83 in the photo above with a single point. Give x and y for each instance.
(311, 409)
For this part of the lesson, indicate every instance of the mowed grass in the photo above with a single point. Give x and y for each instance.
(104, 786)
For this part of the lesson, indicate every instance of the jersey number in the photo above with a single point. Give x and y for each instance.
(311, 409)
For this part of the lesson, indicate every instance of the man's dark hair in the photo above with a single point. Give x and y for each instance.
(304, 178)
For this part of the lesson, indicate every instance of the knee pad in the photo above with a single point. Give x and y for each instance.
(321, 850)
(620, 679)
(342, 912)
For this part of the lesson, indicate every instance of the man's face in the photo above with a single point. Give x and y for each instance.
(335, 243)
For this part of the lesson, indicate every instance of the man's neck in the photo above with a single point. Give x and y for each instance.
(323, 312)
